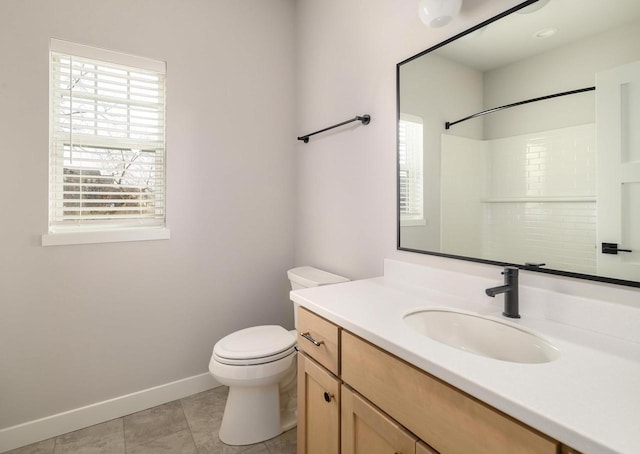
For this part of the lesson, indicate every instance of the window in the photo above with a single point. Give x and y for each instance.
(107, 145)
(410, 170)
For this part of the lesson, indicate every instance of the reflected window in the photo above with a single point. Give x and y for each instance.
(410, 169)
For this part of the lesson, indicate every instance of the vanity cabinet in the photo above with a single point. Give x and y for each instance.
(355, 398)
(447, 419)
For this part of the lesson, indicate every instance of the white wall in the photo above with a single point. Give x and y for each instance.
(539, 186)
(540, 198)
(81, 324)
(549, 73)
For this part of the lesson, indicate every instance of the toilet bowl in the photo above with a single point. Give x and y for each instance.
(255, 363)
(258, 364)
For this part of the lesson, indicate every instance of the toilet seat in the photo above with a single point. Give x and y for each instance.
(255, 345)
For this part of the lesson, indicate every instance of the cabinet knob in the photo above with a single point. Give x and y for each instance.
(328, 397)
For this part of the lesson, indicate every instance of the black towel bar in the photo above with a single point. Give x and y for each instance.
(365, 119)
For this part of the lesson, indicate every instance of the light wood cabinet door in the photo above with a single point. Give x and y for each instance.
(366, 430)
(318, 409)
(422, 448)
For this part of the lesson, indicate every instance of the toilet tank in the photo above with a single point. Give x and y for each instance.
(307, 276)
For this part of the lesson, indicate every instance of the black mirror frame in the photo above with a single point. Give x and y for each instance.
(570, 274)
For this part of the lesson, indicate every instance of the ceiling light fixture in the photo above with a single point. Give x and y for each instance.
(533, 7)
(438, 13)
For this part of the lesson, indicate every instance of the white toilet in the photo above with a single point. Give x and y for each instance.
(259, 366)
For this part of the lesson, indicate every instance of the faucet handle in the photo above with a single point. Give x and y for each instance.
(510, 271)
(531, 265)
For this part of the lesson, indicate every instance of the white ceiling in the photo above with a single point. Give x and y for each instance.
(490, 48)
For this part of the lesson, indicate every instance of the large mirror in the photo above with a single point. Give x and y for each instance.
(519, 142)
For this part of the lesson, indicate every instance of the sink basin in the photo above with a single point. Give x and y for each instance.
(482, 336)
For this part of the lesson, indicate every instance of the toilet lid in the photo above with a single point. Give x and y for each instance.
(256, 342)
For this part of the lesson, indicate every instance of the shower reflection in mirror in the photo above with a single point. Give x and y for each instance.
(546, 181)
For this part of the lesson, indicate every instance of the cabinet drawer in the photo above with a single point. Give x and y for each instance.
(447, 419)
(318, 338)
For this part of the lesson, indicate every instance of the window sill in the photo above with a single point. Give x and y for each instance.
(412, 222)
(105, 236)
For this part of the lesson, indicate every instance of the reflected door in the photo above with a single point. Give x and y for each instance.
(618, 142)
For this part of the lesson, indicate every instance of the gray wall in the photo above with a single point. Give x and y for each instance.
(81, 324)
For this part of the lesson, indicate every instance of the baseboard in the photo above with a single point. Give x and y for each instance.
(68, 421)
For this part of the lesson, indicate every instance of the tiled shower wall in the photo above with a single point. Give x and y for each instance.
(540, 202)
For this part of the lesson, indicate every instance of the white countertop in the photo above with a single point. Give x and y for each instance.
(588, 398)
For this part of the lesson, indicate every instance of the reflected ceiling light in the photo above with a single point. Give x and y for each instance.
(533, 7)
(438, 13)
(545, 32)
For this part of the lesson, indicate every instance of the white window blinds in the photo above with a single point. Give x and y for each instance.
(107, 139)
(410, 168)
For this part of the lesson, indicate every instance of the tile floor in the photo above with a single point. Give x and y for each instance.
(185, 426)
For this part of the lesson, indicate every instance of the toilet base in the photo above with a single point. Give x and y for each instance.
(248, 415)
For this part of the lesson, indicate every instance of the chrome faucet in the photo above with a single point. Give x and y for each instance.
(510, 290)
